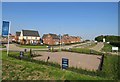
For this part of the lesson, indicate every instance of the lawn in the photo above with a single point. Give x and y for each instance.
(14, 69)
(33, 46)
(92, 45)
(111, 66)
(107, 47)
(2, 46)
(83, 50)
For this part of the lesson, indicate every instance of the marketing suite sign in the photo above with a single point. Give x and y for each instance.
(65, 63)
(5, 28)
(115, 48)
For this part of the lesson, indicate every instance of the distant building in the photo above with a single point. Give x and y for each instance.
(66, 39)
(51, 39)
(4, 39)
(54, 39)
(17, 35)
(27, 37)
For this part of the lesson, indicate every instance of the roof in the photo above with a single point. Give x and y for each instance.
(54, 36)
(30, 33)
(18, 33)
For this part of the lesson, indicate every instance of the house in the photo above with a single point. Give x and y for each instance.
(66, 39)
(51, 39)
(54, 39)
(28, 37)
(17, 35)
(4, 39)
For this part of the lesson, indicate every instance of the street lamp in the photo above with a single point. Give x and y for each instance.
(60, 41)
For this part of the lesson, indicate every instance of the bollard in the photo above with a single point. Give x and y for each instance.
(31, 52)
(101, 63)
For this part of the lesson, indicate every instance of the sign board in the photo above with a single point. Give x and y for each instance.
(5, 31)
(65, 63)
(115, 48)
(5, 28)
(95, 41)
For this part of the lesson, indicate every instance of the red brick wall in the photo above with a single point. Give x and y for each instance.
(66, 40)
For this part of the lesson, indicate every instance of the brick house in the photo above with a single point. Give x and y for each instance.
(53, 39)
(17, 35)
(50, 39)
(28, 37)
(66, 39)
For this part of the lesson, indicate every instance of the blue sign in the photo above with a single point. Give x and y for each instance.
(5, 28)
(65, 63)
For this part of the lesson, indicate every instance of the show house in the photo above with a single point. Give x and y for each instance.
(27, 37)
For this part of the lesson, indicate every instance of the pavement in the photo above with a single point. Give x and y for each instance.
(98, 47)
(84, 61)
(14, 47)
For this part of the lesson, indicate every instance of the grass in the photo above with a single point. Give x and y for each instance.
(14, 69)
(111, 66)
(2, 46)
(83, 50)
(87, 46)
(33, 46)
(92, 45)
(107, 48)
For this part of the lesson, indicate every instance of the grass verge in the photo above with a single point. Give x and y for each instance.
(83, 50)
(32, 46)
(15, 69)
(107, 48)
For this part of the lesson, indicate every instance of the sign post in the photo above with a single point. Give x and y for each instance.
(6, 31)
(65, 63)
(21, 55)
(115, 49)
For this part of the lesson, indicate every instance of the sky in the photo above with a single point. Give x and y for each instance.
(85, 19)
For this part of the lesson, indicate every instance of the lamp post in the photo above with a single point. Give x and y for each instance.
(60, 41)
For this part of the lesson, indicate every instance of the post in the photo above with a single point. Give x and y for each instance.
(60, 42)
(101, 63)
(31, 53)
(8, 39)
(8, 45)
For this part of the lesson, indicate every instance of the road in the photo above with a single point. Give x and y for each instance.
(98, 47)
(14, 47)
(81, 45)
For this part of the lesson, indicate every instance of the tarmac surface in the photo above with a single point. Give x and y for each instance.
(84, 61)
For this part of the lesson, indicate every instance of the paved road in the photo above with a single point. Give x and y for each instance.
(98, 47)
(89, 62)
(13, 47)
(81, 45)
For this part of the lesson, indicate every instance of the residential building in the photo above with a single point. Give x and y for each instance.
(51, 39)
(17, 35)
(28, 37)
(66, 39)
(54, 39)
